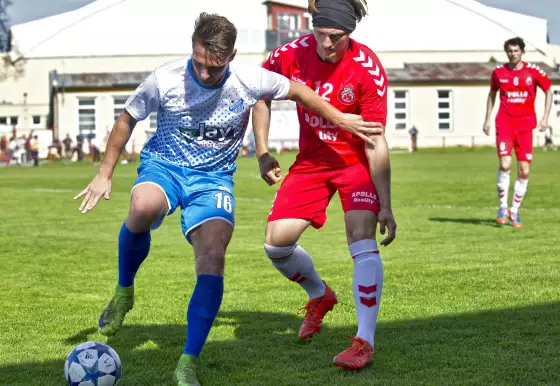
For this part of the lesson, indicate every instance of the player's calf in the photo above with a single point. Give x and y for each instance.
(112, 317)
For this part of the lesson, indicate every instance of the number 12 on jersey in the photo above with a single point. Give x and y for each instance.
(223, 201)
(324, 90)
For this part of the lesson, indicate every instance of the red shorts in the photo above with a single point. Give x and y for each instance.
(519, 140)
(306, 195)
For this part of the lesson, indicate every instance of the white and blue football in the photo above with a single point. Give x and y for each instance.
(92, 364)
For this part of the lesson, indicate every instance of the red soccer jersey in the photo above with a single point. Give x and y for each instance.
(357, 84)
(518, 90)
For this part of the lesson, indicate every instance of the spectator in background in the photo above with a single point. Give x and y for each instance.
(21, 151)
(80, 146)
(413, 139)
(248, 146)
(58, 146)
(34, 145)
(16, 150)
(548, 139)
(55, 150)
(28, 151)
(94, 152)
(5, 150)
(68, 147)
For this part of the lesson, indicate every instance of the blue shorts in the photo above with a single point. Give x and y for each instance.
(202, 196)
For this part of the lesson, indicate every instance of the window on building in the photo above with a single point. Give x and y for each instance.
(445, 110)
(9, 121)
(86, 116)
(153, 121)
(151, 130)
(401, 109)
(287, 21)
(36, 119)
(118, 106)
(556, 99)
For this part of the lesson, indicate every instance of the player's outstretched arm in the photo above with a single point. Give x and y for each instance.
(489, 106)
(101, 183)
(269, 167)
(354, 124)
(380, 170)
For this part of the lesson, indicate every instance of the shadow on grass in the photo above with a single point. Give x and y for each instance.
(472, 221)
(512, 346)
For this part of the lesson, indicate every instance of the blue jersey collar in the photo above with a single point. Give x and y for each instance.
(219, 85)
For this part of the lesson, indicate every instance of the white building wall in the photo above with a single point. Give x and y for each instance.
(35, 81)
(397, 59)
(469, 110)
(68, 117)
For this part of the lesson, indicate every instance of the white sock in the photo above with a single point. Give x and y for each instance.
(296, 265)
(503, 188)
(368, 285)
(519, 190)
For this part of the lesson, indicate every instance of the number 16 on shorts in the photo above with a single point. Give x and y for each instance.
(223, 201)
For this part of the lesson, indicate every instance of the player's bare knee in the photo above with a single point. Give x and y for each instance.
(358, 233)
(505, 164)
(210, 241)
(523, 170)
(360, 225)
(281, 239)
(278, 239)
(210, 255)
(143, 214)
(211, 262)
(284, 233)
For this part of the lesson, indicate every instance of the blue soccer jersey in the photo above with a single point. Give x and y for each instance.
(200, 127)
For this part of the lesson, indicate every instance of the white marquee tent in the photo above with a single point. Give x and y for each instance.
(147, 27)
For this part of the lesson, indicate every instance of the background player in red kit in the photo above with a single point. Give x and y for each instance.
(517, 83)
(349, 76)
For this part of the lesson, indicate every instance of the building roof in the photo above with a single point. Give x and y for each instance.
(98, 80)
(135, 27)
(148, 27)
(412, 72)
(452, 72)
(290, 3)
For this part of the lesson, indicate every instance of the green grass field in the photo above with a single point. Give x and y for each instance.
(465, 301)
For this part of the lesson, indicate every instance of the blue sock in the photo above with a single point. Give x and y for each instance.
(133, 249)
(203, 308)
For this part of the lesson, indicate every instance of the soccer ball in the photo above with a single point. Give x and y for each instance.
(92, 364)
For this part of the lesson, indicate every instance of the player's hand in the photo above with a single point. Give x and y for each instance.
(486, 128)
(99, 186)
(387, 222)
(543, 124)
(356, 125)
(270, 169)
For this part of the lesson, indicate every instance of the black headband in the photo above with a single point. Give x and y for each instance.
(337, 14)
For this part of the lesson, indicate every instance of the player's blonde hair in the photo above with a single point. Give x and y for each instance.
(360, 8)
(216, 34)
